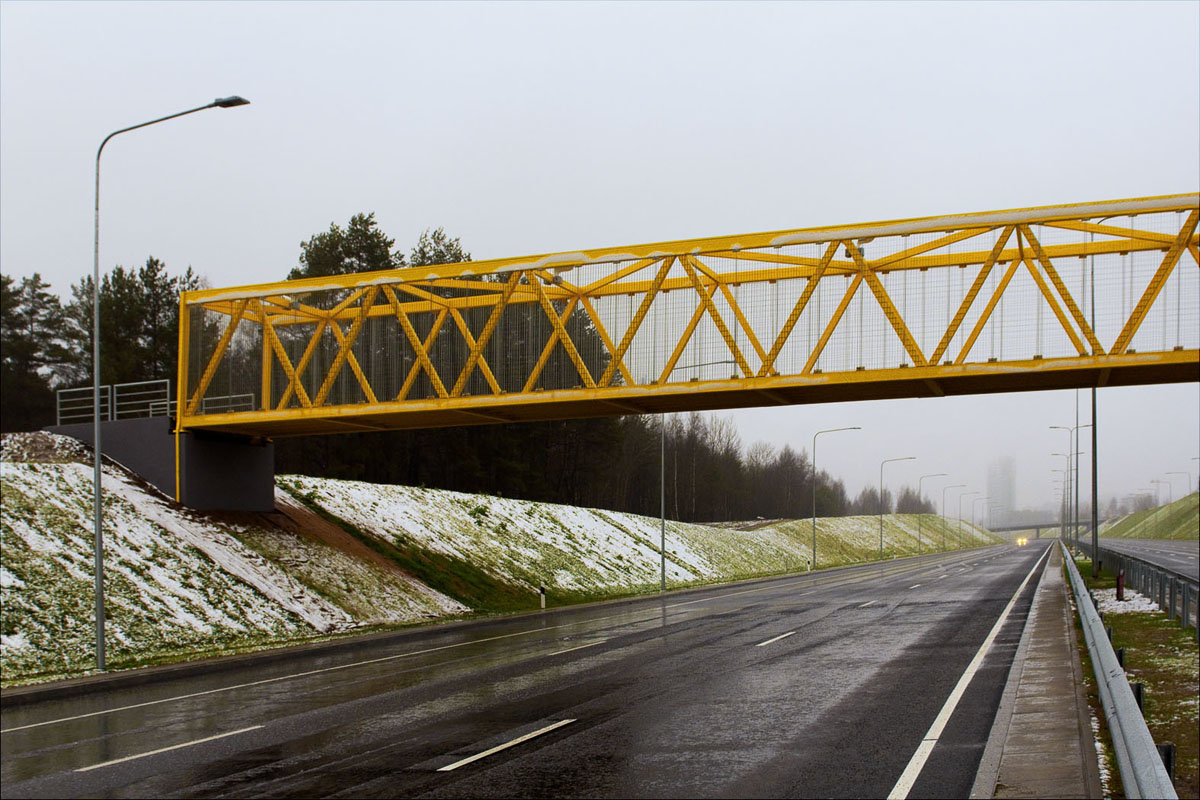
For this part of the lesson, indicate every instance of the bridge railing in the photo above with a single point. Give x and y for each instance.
(954, 304)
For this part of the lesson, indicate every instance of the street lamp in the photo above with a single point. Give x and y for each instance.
(1187, 487)
(813, 565)
(886, 461)
(1066, 503)
(960, 499)
(944, 490)
(973, 502)
(919, 498)
(1170, 499)
(220, 102)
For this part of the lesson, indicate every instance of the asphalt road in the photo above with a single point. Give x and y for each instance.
(1180, 556)
(808, 686)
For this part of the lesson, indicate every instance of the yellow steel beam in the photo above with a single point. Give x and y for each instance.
(1054, 306)
(604, 337)
(889, 309)
(973, 292)
(469, 338)
(217, 356)
(971, 378)
(715, 315)
(414, 341)
(477, 348)
(265, 388)
(424, 363)
(685, 338)
(294, 385)
(636, 322)
(1062, 290)
(648, 272)
(983, 317)
(345, 343)
(1156, 283)
(790, 323)
(833, 323)
(740, 242)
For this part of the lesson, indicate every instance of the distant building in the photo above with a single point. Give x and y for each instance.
(1002, 489)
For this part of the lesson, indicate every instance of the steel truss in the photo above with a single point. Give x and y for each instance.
(964, 304)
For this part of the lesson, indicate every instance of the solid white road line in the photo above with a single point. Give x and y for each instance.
(914, 586)
(165, 749)
(505, 746)
(868, 603)
(573, 649)
(776, 639)
(917, 762)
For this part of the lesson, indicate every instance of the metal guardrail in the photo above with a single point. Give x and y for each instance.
(137, 400)
(75, 405)
(1142, 770)
(1175, 593)
(134, 400)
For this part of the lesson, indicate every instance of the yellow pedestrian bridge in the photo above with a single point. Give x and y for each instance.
(1089, 294)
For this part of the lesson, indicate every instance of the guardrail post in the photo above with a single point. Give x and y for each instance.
(1167, 751)
(1171, 602)
(1139, 694)
(1140, 765)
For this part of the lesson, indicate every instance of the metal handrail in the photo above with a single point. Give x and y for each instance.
(1141, 767)
(136, 399)
(75, 405)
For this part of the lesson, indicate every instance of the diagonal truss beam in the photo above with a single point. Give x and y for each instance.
(889, 308)
(636, 323)
(972, 293)
(1156, 283)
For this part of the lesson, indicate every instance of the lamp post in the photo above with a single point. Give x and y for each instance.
(1062, 506)
(813, 564)
(944, 490)
(919, 498)
(220, 102)
(1067, 485)
(662, 501)
(1076, 453)
(1187, 487)
(1170, 499)
(960, 499)
(1065, 516)
(886, 461)
(973, 502)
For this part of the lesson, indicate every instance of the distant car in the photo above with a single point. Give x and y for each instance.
(1022, 542)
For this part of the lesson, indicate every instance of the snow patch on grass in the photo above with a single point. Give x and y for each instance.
(1107, 602)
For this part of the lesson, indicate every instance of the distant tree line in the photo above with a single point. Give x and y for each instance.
(615, 463)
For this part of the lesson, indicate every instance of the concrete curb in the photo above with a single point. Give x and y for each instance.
(989, 763)
(145, 676)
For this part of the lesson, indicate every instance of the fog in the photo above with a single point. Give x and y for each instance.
(532, 128)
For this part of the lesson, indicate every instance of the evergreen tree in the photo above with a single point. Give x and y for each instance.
(359, 247)
(31, 352)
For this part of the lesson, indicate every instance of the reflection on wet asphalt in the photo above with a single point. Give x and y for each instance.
(668, 696)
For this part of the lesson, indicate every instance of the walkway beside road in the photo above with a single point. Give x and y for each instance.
(1042, 743)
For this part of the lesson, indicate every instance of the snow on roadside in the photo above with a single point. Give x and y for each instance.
(1107, 602)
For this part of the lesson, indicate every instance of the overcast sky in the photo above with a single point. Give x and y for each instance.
(544, 127)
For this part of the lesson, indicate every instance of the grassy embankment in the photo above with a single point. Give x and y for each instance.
(1165, 658)
(1178, 520)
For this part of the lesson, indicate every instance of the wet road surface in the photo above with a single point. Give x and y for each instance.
(805, 686)
(1176, 555)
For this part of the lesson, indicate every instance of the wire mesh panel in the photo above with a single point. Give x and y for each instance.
(1035, 298)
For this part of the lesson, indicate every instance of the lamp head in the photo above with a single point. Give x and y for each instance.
(230, 102)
